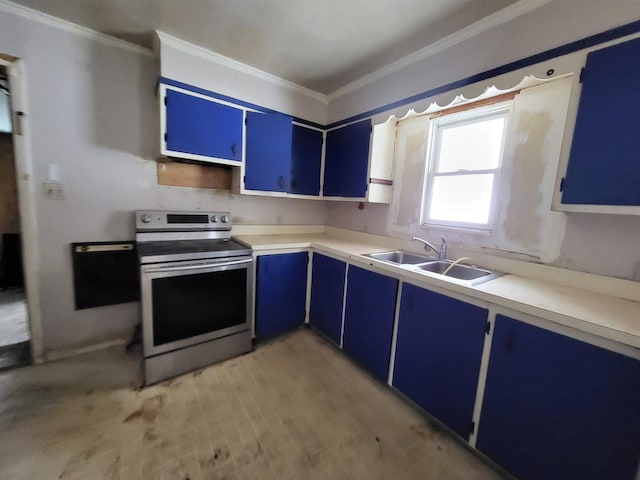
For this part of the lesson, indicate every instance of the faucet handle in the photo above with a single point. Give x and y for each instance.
(442, 254)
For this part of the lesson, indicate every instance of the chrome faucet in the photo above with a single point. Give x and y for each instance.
(441, 252)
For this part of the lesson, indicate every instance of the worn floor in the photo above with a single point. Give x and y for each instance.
(13, 317)
(293, 409)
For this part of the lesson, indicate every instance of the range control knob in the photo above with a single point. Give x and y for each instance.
(214, 218)
(145, 218)
(224, 219)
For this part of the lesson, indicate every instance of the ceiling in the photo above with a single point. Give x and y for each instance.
(319, 44)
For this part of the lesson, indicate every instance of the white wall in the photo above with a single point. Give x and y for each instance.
(575, 241)
(93, 112)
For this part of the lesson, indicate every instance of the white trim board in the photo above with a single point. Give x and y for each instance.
(50, 20)
(214, 57)
(608, 209)
(487, 23)
(61, 353)
(394, 334)
(307, 300)
(27, 200)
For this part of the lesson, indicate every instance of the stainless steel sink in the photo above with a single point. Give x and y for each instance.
(471, 275)
(400, 257)
(467, 274)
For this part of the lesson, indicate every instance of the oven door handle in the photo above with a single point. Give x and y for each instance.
(196, 267)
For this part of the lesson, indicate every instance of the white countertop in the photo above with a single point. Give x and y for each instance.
(606, 316)
(603, 315)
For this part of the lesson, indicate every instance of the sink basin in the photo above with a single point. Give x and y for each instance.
(468, 275)
(472, 275)
(400, 257)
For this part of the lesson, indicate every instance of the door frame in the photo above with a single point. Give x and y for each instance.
(25, 180)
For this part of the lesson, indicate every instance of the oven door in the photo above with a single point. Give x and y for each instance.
(190, 302)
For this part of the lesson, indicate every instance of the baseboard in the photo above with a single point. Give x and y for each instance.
(74, 351)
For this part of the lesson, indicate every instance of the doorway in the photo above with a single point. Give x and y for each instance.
(14, 319)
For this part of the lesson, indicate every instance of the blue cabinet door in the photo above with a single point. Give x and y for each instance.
(281, 291)
(368, 322)
(306, 159)
(603, 164)
(557, 408)
(327, 296)
(268, 159)
(198, 126)
(346, 163)
(438, 352)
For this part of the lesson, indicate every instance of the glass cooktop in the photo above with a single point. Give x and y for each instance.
(168, 250)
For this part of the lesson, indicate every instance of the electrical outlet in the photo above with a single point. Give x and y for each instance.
(53, 190)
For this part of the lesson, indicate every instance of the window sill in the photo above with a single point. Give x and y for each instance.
(459, 228)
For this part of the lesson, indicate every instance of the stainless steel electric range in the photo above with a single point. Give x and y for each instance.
(197, 291)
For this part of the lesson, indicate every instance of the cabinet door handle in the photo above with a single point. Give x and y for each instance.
(234, 148)
(509, 341)
(281, 182)
(409, 303)
(18, 124)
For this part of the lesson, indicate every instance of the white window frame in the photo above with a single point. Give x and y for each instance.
(472, 115)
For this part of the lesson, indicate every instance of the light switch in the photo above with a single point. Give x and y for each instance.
(53, 172)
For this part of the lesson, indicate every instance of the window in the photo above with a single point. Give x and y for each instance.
(463, 168)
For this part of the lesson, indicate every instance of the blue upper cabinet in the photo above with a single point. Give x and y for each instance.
(281, 292)
(369, 316)
(604, 164)
(556, 408)
(346, 163)
(200, 128)
(306, 160)
(268, 158)
(327, 295)
(438, 352)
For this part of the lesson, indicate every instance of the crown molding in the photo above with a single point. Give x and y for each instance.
(50, 20)
(503, 16)
(201, 52)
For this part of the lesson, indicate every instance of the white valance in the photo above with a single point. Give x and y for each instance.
(470, 93)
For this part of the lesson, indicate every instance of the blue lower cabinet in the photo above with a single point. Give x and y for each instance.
(369, 315)
(327, 295)
(557, 408)
(281, 289)
(438, 353)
